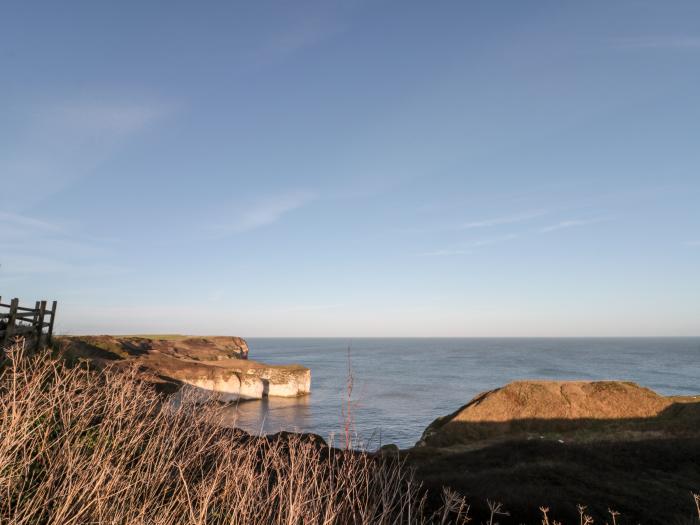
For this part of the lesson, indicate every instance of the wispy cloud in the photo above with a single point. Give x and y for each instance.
(309, 308)
(58, 144)
(11, 221)
(303, 33)
(569, 224)
(508, 219)
(692, 243)
(264, 212)
(659, 42)
(493, 240)
(22, 265)
(469, 247)
(31, 246)
(445, 252)
(91, 118)
(305, 29)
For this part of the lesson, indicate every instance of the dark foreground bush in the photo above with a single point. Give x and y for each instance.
(78, 446)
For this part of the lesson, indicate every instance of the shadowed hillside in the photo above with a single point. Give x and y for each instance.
(542, 442)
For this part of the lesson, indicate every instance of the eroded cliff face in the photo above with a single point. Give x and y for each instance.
(198, 366)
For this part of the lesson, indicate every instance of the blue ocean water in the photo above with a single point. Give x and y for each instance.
(401, 385)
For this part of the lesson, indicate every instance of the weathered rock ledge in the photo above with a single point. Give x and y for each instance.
(196, 365)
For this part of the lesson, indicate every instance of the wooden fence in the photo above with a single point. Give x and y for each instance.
(30, 323)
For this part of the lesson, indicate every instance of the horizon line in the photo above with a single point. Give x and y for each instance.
(153, 336)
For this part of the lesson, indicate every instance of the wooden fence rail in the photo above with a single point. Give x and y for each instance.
(30, 323)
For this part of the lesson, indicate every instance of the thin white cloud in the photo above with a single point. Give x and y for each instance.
(10, 221)
(508, 219)
(117, 119)
(306, 33)
(692, 243)
(468, 248)
(659, 42)
(493, 240)
(308, 308)
(264, 212)
(31, 246)
(446, 252)
(19, 265)
(306, 30)
(59, 144)
(569, 224)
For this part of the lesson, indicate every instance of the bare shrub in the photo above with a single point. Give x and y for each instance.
(613, 514)
(495, 510)
(585, 519)
(79, 446)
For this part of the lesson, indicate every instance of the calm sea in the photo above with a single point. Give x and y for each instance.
(401, 385)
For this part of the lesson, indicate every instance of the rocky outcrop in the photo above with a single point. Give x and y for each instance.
(580, 409)
(197, 366)
(606, 444)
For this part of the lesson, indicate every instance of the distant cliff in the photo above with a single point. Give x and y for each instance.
(195, 365)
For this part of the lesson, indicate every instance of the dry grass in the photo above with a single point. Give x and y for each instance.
(78, 446)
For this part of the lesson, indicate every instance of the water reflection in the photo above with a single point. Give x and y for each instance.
(270, 415)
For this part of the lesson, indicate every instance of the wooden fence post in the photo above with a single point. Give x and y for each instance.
(51, 319)
(11, 320)
(36, 312)
(40, 324)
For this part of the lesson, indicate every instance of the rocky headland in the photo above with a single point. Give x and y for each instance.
(198, 366)
(565, 410)
(604, 444)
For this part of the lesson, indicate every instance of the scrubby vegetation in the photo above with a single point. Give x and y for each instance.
(79, 446)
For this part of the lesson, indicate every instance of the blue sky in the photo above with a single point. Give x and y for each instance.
(353, 169)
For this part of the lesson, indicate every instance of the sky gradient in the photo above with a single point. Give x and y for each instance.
(353, 169)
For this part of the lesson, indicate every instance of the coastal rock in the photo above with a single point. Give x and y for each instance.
(546, 407)
(604, 443)
(198, 366)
